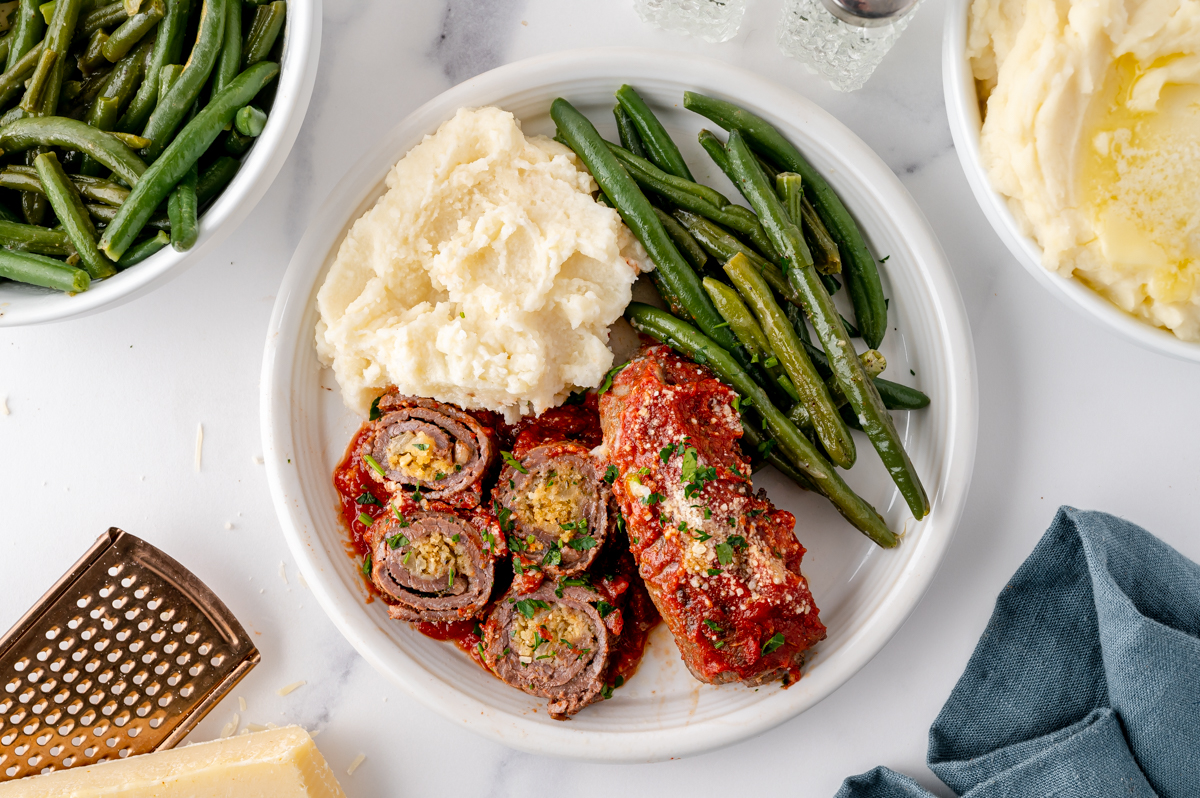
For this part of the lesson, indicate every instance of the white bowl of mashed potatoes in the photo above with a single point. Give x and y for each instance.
(1078, 127)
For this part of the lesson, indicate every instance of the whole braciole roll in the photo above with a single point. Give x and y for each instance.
(557, 503)
(420, 443)
(432, 566)
(552, 646)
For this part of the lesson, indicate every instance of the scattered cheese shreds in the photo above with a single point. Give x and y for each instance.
(241, 704)
(291, 687)
(199, 444)
(3, 405)
(302, 582)
(256, 727)
(229, 525)
(258, 460)
(358, 760)
(231, 727)
(283, 572)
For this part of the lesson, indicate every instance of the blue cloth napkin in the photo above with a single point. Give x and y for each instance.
(1086, 682)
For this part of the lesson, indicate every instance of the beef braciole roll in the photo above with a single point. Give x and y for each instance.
(437, 448)
(433, 564)
(721, 564)
(553, 501)
(551, 645)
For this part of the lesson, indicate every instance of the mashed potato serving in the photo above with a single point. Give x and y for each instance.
(486, 276)
(1092, 131)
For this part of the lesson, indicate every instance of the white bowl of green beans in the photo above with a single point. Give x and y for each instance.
(142, 148)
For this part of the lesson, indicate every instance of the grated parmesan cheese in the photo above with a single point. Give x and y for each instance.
(291, 688)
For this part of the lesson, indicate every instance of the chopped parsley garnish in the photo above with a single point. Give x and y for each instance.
(643, 471)
(703, 536)
(397, 541)
(514, 462)
(455, 537)
(450, 581)
(582, 543)
(718, 644)
(771, 362)
(610, 474)
(375, 414)
(553, 557)
(374, 464)
(367, 497)
(738, 473)
(440, 475)
(581, 525)
(516, 543)
(604, 608)
(766, 446)
(399, 516)
(608, 378)
(421, 446)
(707, 511)
(528, 607)
(737, 541)
(775, 642)
(754, 513)
(416, 496)
(478, 630)
(576, 398)
(505, 516)
(666, 452)
(714, 571)
(724, 553)
(366, 566)
(365, 519)
(687, 469)
(716, 627)
(653, 498)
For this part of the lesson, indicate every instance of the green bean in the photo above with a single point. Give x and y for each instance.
(765, 449)
(168, 47)
(74, 135)
(826, 255)
(170, 112)
(250, 121)
(32, 238)
(264, 30)
(790, 351)
(181, 209)
(895, 396)
(123, 39)
(28, 28)
(25, 267)
(184, 151)
(69, 208)
(127, 75)
(795, 315)
(751, 336)
(862, 274)
(723, 246)
(662, 151)
(107, 16)
(37, 84)
(683, 240)
(13, 80)
(861, 391)
(5, 46)
(93, 53)
(132, 6)
(230, 62)
(143, 249)
(93, 188)
(166, 79)
(8, 215)
(693, 197)
(106, 214)
(214, 179)
(627, 131)
(671, 267)
(800, 451)
(59, 31)
(236, 143)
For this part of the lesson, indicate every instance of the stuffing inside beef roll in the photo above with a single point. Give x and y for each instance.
(556, 500)
(432, 566)
(420, 443)
(552, 646)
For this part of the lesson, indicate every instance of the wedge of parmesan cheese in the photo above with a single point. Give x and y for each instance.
(281, 763)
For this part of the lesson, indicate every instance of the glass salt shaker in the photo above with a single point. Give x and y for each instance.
(843, 40)
(711, 20)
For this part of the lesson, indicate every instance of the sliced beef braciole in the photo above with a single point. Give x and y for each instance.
(552, 646)
(555, 504)
(420, 443)
(432, 566)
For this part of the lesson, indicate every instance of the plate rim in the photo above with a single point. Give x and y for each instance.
(560, 740)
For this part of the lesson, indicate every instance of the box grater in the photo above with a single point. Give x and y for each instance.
(123, 656)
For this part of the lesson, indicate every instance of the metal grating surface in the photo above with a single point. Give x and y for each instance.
(123, 656)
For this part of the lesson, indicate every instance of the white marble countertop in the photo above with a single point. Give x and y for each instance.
(103, 416)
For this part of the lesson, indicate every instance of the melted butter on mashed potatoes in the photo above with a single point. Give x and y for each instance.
(486, 276)
(1092, 131)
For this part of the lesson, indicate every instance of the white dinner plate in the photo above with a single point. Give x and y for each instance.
(864, 592)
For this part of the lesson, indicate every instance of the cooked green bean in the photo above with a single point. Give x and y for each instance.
(59, 33)
(659, 147)
(75, 135)
(168, 48)
(873, 363)
(215, 178)
(683, 240)
(184, 151)
(751, 336)
(790, 351)
(69, 208)
(229, 64)
(861, 391)
(166, 79)
(181, 209)
(93, 188)
(723, 246)
(800, 451)
(170, 112)
(131, 31)
(25, 267)
(93, 53)
(264, 30)
(28, 28)
(895, 396)
(33, 205)
(107, 16)
(627, 131)
(143, 249)
(236, 143)
(5, 45)
(671, 267)
(795, 314)
(13, 80)
(765, 449)
(37, 83)
(862, 274)
(693, 197)
(32, 238)
(106, 214)
(250, 121)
